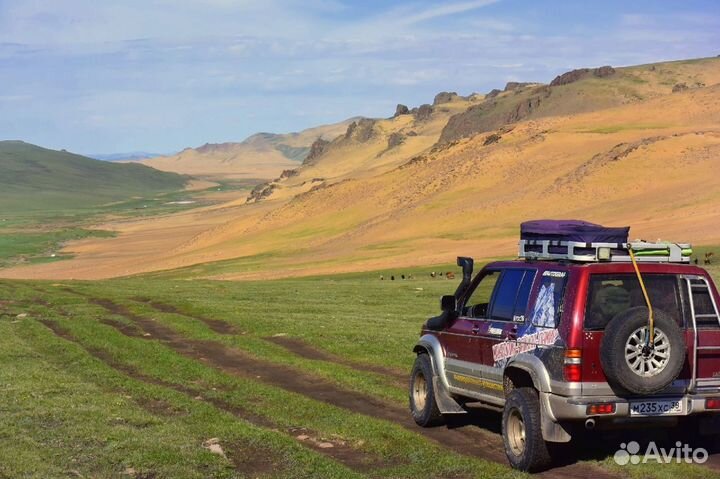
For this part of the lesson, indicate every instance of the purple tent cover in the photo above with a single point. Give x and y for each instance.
(572, 230)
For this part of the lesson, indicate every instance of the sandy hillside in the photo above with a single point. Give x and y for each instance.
(261, 156)
(369, 147)
(648, 160)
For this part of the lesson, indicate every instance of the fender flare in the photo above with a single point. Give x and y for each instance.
(430, 344)
(532, 365)
(552, 430)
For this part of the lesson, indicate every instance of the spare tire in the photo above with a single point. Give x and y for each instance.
(631, 366)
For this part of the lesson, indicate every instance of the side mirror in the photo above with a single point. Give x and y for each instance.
(448, 303)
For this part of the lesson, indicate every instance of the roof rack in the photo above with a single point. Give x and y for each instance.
(605, 252)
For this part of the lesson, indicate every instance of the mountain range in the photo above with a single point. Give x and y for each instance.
(262, 155)
(634, 146)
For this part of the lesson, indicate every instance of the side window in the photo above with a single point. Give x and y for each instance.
(477, 305)
(549, 303)
(523, 297)
(510, 301)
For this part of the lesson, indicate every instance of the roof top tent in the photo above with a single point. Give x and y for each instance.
(580, 241)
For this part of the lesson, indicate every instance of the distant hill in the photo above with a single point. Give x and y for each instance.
(635, 146)
(579, 91)
(130, 156)
(262, 155)
(368, 147)
(36, 179)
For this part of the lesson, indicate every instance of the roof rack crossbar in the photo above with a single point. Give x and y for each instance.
(645, 252)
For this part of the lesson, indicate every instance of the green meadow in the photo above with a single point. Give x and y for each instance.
(161, 378)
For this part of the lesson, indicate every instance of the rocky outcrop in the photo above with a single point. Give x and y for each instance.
(421, 159)
(488, 116)
(514, 85)
(361, 130)
(604, 71)
(493, 138)
(395, 139)
(411, 133)
(288, 174)
(401, 110)
(444, 97)
(493, 93)
(575, 75)
(317, 149)
(476, 119)
(423, 112)
(570, 77)
(260, 192)
(525, 108)
(678, 87)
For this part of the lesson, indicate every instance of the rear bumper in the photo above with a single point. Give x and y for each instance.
(563, 408)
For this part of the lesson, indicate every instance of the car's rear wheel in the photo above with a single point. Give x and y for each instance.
(522, 434)
(423, 406)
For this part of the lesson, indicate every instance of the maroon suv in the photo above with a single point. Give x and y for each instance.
(562, 338)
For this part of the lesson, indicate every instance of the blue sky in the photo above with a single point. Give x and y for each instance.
(159, 75)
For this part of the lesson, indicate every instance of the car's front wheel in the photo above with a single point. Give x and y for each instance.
(521, 430)
(423, 406)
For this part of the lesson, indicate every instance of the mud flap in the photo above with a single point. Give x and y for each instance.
(552, 431)
(446, 404)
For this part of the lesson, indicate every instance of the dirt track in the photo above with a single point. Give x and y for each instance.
(476, 435)
(352, 458)
(302, 349)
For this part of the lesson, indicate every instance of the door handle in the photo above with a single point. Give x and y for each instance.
(512, 334)
(475, 329)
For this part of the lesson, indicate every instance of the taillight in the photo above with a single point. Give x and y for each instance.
(712, 403)
(600, 408)
(572, 367)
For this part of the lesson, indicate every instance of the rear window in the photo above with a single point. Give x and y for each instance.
(610, 294)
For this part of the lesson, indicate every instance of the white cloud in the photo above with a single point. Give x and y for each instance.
(445, 10)
(217, 70)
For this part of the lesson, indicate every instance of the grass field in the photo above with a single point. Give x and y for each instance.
(35, 179)
(28, 237)
(290, 378)
(43, 205)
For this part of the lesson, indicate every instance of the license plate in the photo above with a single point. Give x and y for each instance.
(656, 408)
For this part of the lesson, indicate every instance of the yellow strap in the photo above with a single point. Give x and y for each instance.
(651, 317)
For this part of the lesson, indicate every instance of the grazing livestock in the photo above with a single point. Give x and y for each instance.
(432, 274)
(450, 275)
(708, 257)
(392, 278)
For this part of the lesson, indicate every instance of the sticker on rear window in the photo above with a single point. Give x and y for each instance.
(544, 311)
